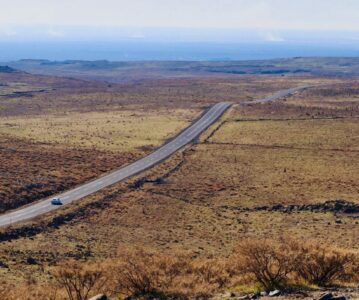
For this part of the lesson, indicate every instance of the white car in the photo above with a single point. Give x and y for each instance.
(56, 201)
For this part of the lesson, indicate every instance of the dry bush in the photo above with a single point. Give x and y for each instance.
(323, 265)
(80, 280)
(141, 273)
(274, 264)
(146, 274)
(269, 262)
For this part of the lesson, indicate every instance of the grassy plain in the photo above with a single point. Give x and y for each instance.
(322, 134)
(118, 131)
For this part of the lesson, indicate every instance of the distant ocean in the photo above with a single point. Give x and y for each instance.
(146, 50)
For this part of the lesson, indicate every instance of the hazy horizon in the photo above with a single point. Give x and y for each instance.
(177, 29)
(179, 44)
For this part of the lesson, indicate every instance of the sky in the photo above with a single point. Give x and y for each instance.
(234, 14)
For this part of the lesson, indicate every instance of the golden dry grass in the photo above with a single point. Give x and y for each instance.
(341, 134)
(252, 176)
(115, 131)
(337, 96)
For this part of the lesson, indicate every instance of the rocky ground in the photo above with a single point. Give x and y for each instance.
(348, 294)
(334, 294)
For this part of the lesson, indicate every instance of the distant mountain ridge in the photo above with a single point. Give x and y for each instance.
(130, 71)
(7, 69)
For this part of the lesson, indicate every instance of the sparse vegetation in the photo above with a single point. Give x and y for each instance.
(321, 265)
(139, 274)
(269, 262)
(147, 274)
(30, 171)
(120, 132)
(80, 280)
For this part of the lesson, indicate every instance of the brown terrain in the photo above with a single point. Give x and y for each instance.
(267, 172)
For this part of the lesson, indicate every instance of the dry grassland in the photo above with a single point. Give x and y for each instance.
(119, 131)
(319, 134)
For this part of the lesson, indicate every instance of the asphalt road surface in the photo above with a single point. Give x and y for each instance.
(185, 137)
(279, 95)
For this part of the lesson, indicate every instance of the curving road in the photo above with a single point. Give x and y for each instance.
(279, 95)
(188, 135)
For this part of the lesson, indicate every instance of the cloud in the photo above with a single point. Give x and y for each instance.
(55, 33)
(273, 37)
(7, 32)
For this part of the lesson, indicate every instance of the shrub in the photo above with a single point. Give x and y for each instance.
(322, 265)
(143, 273)
(79, 280)
(268, 262)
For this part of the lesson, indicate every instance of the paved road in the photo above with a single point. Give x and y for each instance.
(279, 95)
(188, 135)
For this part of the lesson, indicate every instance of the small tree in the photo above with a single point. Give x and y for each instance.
(79, 280)
(139, 274)
(270, 263)
(321, 265)
(144, 274)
